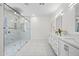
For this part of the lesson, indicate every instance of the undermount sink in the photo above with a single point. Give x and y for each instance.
(71, 37)
(76, 40)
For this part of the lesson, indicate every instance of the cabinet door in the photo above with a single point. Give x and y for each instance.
(67, 50)
(55, 44)
(63, 49)
(73, 51)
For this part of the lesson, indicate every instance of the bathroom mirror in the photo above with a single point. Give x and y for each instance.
(77, 17)
(59, 22)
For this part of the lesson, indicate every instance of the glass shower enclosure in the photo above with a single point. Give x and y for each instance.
(16, 30)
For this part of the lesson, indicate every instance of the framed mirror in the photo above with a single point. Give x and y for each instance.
(59, 22)
(77, 17)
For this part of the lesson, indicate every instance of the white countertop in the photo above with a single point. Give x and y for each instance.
(71, 40)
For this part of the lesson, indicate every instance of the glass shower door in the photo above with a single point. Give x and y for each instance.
(10, 32)
(16, 31)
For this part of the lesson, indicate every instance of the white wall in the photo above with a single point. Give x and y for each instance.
(68, 18)
(40, 27)
(1, 31)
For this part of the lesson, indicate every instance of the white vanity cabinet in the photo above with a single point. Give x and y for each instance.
(54, 44)
(66, 49)
(63, 48)
(73, 51)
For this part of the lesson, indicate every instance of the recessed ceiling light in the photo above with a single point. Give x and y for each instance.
(33, 14)
(42, 3)
(26, 3)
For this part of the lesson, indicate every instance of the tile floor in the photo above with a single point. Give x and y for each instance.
(36, 47)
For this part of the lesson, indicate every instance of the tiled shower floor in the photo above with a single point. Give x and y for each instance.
(12, 48)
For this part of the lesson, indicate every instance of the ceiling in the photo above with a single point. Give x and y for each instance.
(35, 9)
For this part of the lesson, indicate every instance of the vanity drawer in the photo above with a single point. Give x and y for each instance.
(73, 51)
(63, 48)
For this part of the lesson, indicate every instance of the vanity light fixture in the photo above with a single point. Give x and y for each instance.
(25, 20)
(71, 5)
(56, 15)
(60, 13)
(14, 12)
(22, 14)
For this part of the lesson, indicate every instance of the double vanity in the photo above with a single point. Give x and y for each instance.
(67, 45)
(64, 39)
